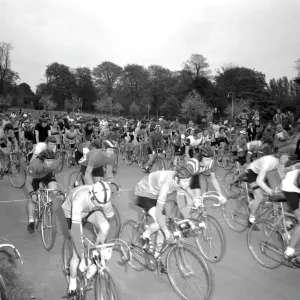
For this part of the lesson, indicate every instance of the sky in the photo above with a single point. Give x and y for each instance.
(258, 34)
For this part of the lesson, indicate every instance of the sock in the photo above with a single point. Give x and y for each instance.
(289, 251)
(251, 219)
(30, 219)
(72, 284)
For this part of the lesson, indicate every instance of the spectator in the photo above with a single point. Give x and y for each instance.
(251, 131)
(256, 119)
(1, 124)
(6, 119)
(209, 117)
(42, 131)
(278, 117)
(216, 115)
(216, 126)
(243, 118)
(297, 152)
(269, 131)
(211, 129)
(281, 136)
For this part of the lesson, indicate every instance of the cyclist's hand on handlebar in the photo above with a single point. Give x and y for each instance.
(222, 200)
(34, 198)
(198, 202)
(169, 236)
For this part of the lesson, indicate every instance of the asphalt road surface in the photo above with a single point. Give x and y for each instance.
(237, 276)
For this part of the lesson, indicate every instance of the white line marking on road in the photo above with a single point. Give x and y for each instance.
(22, 200)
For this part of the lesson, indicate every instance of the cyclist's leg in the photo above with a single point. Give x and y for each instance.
(74, 262)
(52, 184)
(150, 156)
(31, 206)
(99, 220)
(258, 198)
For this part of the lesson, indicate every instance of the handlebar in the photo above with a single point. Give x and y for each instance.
(16, 251)
(212, 194)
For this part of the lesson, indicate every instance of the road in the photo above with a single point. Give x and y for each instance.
(237, 276)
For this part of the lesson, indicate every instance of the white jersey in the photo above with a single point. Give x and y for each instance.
(288, 184)
(39, 147)
(269, 163)
(77, 208)
(192, 142)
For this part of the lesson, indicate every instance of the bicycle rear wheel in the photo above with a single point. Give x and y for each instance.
(105, 286)
(69, 160)
(17, 175)
(48, 227)
(228, 161)
(266, 249)
(210, 241)
(4, 295)
(75, 179)
(236, 213)
(188, 273)
(130, 233)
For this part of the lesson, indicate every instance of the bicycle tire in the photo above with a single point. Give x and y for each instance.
(67, 253)
(114, 225)
(270, 249)
(128, 157)
(21, 174)
(206, 235)
(116, 165)
(122, 151)
(181, 266)
(4, 294)
(48, 215)
(228, 161)
(69, 160)
(230, 189)
(72, 178)
(219, 158)
(203, 183)
(105, 287)
(236, 213)
(160, 164)
(139, 259)
(61, 157)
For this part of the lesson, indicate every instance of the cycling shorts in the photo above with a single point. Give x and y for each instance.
(45, 180)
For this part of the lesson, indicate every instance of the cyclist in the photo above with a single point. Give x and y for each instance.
(261, 178)
(98, 158)
(192, 142)
(50, 144)
(290, 186)
(87, 203)
(27, 136)
(70, 138)
(204, 162)
(88, 132)
(155, 141)
(151, 195)
(40, 170)
(257, 147)
(239, 148)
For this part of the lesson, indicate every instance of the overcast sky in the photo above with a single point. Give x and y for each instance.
(260, 34)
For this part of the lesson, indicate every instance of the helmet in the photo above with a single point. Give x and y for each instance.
(46, 154)
(206, 152)
(267, 140)
(101, 192)
(194, 165)
(183, 172)
(51, 139)
(109, 144)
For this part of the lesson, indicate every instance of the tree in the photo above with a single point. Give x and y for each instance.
(171, 107)
(194, 106)
(104, 105)
(47, 102)
(5, 101)
(118, 108)
(298, 66)
(134, 109)
(198, 65)
(106, 76)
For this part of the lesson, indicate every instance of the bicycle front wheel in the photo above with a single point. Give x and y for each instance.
(48, 227)
(3, 289)
(105, 286)
(210, 241)
(17, 175)
(231, 189)
(188, 273)
(236, 213)
(160, 164)
(75, 180)
(266, 249)
(69, 160)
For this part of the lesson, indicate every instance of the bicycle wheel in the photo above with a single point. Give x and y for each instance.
(48, 227)
(114, 225)
(75, 179)
(130, 233)
(160, 164)
(210, 241)
(230, 189)
(17, 175)
(115, 166)
(236, 213)
(61, 158)
(188, 273)
(266, 249)
(203, 183)
(228, 161)
(67, 254)
(219, 159)
(128, 157)
(122, 151)
(4, 295)
(69, 160)
(105, 286)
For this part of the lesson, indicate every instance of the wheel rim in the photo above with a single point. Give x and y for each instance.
(17, 175)
(48, 228)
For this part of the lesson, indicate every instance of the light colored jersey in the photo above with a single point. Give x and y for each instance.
(268, 162)
(39, 147)
(254, 146)
(158, 185)
(192, 142)
(288, 184)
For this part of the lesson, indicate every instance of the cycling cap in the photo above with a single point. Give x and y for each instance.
(109, 144)
(183, 172)
(101, 192)
(206, 152)
(46, 154)
(51, 139)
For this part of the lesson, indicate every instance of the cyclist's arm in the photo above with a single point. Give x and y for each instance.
(28, 182)
(260, 180)
(215, 183)
(109, 170)
(162, 142)
(150, 142)
(37, 136)
(88, 175)
(161, 200)
(182, 205)
(248, 157)
(49, 132)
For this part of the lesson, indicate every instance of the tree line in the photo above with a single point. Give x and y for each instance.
(155, 90)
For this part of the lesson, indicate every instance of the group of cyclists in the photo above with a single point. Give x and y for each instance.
(95, 143)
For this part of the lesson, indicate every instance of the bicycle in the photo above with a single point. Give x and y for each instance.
(157, 160)
(25, 149)
(268, 248)
(105, 288)
(13, 169)
(44, 215)
(4, 292)
(60, 154)
(176, 258)
(69, 154)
